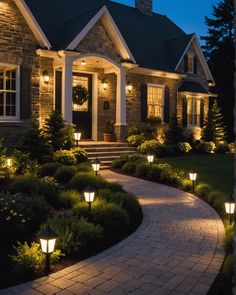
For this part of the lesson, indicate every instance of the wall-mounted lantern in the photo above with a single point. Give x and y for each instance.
(46, 77)
(83, 63)
(129, 87)
(104, 84)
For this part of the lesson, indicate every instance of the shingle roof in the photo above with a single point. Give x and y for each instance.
(194, 87)
(155, 42)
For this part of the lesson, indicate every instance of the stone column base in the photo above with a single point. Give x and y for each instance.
(121, 133)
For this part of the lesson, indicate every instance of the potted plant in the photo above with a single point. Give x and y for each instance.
(108, 132)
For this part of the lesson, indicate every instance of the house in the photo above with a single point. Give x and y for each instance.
(97, 61)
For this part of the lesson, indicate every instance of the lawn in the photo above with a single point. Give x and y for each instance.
(216, 170)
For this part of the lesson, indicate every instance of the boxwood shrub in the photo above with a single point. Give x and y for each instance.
(48, 169)
(69, 198)
(80, 154)
(65, 157)
(65, 173)
(129, 167)
(82, 179)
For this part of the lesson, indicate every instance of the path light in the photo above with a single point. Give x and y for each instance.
(77, 136)
(9, 162)
(89, 194)
(193, 177)
(150, 158)
(46, 77)
(96, 166)
(47, 241)
(230, 208)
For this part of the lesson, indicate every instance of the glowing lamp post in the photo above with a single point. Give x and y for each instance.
(47, 242)
(89, 194)
(150, 158)
(230, 208)
(193, 177)
(96, 166)
(77, 136)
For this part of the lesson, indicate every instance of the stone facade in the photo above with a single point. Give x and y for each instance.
(144, 6)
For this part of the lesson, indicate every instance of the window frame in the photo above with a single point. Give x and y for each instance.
(17, 91)
(190, 55)
(163, 98)
(198, 98)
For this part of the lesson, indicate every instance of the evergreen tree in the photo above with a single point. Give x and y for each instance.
(174, 132)
(214, 129)
(58, 134)
(219, 49)
(35, 143)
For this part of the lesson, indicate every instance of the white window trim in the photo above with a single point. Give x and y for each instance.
(17, 116)
(191, 55)
(163, 97)
(199, 99)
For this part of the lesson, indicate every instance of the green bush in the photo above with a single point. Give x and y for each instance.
(137, 158)
(70, 198)
(222, 148)
(213, 195)
(48, 169)
(154, 172)
(24, 164)
(29, 259)
(184, 147)
(5, 175)
(228, 266)
(170, 177)
(142, 169)
(136, 140)
(64, 174)
(65, 157)
(83, 179)
(133, 130)
(48, 191)
(74, 234)
(202, 189)
(164, 150)
(114, 187)
(82, 210)
(80, 154)
(84, 167)
(110, 216)
(232, 148)
(118, 163)
(149, 146)
(129, 167)
(228, 240)
(206, 147)
(186, 184)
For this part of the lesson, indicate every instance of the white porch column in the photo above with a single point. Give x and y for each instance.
(121, 98)
(66, 97)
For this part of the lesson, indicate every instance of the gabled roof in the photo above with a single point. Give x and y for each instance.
(193, 87)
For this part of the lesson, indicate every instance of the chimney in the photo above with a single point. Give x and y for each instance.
(144, 6)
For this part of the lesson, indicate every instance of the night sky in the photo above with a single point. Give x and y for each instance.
(187, 14)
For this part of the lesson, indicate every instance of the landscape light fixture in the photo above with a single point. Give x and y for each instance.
(230, 208)
(96, 166)
(77, 136)
(150, 158)
(89, 194)
(193, 177)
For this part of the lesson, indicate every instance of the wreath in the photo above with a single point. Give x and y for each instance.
(80, 94)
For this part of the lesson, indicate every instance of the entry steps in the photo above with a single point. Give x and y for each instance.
(106, 152)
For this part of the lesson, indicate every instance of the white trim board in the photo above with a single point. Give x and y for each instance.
(33, 24)
(112, 30)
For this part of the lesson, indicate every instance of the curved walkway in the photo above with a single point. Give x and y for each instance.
(176, 250)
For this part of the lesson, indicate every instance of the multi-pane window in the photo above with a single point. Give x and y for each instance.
(193, 111)
(155, 95)
(84, 82)
(8, 92)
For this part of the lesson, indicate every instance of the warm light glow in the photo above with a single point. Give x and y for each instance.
(96, 165)
(46, 77)
(47, 246)
(89, 196)
(104, 84)
(192, 176)
(77, 136)
(9, 162)
(130, 87)
(83, 62)
(230, 207)
(150, 158)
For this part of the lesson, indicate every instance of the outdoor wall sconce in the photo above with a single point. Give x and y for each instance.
(89, 194)
(150, 158)
(104, 84)
(129, 87)
(230, 208)
(47, 242)
(193, 177)
(9, 162)
(83, 63)
(77, 136)
(96, 166)
(46, 77)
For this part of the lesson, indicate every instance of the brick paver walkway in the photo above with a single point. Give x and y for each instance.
(176, 250)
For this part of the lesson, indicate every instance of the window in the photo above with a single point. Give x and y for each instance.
(84, 82)
(155, 98)
(189, 63)
(193, 111)
(9, 92)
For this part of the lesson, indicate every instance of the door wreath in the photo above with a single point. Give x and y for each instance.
(80, 94)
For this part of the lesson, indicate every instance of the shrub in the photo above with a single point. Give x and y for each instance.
(184, 147)
(218, 203)
(114, 187)
(80, 154)
(228, 239)
(174, 132)
(74, 234)
(48, 169)
(110, 216)
(170, 177)
(83, 179)
(129, 167)
(228, 266)
(232, 148)
(29, 259)
(136, 140)
(133, 130)
(149, 146)
(81, 210)
(5, 175)
(136, 158)
(142, 169)
(164, 150)
(64, 174)
(186, 184)
(70, 198)
(154, 172)
(213, 195)
(222, 148)
(202, 189)
(48, 191)
(84, 167)
(65, 157)
(117, 164)
(24, 164)
(206, 147)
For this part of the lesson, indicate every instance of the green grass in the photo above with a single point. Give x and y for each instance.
(217, 170)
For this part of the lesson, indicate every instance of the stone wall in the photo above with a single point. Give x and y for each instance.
(18, 46)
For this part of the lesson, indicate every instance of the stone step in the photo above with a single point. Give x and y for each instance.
(110, 149)
(98, 154)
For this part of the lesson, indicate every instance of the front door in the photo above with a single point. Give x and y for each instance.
(82, 104)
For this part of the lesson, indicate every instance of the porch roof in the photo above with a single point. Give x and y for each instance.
(194, 87)
(155, 42)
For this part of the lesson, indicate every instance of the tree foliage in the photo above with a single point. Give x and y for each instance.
(219, 49)
(174, 133)
(214, 129)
